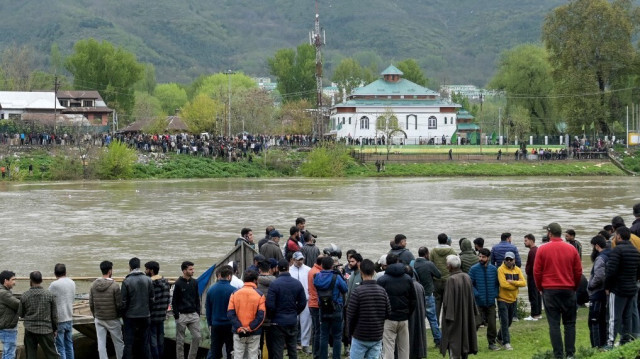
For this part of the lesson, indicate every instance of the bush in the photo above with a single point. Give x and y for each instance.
(331, 160)
(65, 168)
(116, 162)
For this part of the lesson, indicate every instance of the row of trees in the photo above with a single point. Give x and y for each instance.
(583, 76)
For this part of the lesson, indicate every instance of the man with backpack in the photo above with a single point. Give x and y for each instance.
(399, 248)
(330, 287)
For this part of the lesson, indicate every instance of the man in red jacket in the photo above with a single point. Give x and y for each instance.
(557, 271)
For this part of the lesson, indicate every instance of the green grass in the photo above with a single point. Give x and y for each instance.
(417, 149)
(446, 169)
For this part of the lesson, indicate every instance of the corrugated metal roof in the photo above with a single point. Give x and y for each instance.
(405, 87)
(468, 127)
(396, 103)
(28, 100)
(392, 70)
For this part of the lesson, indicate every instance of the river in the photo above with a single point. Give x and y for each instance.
(83, 223)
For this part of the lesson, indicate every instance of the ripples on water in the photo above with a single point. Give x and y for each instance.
(81, 224)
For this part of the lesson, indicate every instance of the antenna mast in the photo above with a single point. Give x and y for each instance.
(317, 39)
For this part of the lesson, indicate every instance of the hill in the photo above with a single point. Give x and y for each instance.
(454, 41)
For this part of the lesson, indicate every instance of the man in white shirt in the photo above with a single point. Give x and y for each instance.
(300, 272)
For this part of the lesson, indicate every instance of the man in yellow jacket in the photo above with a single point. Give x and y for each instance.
(511, 279)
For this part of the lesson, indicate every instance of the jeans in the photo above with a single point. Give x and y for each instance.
(281, 336)
(64, 340)
(430, 309)
(396, 334)
(560, 304)
(489, 313)
(505, 312)
(191, 321)
(598, 333)
(315, 325)
(136, 338)
(221, 335)
(156, 339)
(113, 327)
(331, 325)
(9, 339)
(361, 349)
(246, 347)
(534, 297)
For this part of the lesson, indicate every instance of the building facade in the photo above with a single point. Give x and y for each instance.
(423, 117)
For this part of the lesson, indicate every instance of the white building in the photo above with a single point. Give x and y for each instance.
(14, 103)
(422, 115)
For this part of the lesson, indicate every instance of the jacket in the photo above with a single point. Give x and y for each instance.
(355, 279)
(38, 309)
(323, 280)
(105, 299)
(404, 255)
(399, 287)
(217, 303)
(509, 291)
(185, 297)
(311, 253)
(557, 266)
(635, 227)
(426, 271)
(623, 270)
(484, 280)
(9, 306)
(595, 288)
(264, 281)
(531, 257)
(162, 297)
(313, 292)
(438, 256)
(499, 250)
(137, 295)
(271, 249)
(247, 309)
(368, 308)
(285, 301)
(468, 257)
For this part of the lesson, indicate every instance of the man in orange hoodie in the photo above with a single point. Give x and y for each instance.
(246, 313)
(314, 307)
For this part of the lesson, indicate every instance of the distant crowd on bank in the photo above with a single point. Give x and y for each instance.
(296, 297)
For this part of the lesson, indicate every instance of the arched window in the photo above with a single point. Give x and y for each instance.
(415, 121)
(364, 122)
(433, 123)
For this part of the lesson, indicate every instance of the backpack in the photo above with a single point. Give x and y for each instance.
(325, 298)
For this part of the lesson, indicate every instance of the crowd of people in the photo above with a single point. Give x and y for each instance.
(296, 297)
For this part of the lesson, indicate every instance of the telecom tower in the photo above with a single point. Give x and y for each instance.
(317, 39)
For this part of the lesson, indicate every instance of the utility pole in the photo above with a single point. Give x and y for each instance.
(56, 86)
(229, 73)
(317, 39)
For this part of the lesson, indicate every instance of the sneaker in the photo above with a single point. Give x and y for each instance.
(530, 318)
(538, 317)
(508, 347)
(515, 320)
(494, 347)
(306, 349)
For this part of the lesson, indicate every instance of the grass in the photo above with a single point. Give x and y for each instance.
(447, 169)
(437, 149)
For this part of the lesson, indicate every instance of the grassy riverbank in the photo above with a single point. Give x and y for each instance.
(322, 162)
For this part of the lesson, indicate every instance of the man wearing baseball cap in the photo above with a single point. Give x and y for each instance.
(557, 271)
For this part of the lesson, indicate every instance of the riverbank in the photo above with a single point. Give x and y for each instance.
(275, 163)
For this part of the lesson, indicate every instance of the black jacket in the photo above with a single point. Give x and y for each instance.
(404, 255)
(426, 271)
(185, 297)
(623, 270)
(367, 310)
(399, 288)
(137, 295)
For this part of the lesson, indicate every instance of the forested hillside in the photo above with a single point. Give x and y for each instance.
(453, 41)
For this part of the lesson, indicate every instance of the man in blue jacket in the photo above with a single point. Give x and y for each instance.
(330, 323)
(498, 251)
(484, 278)
(217, 304)
(285, 301)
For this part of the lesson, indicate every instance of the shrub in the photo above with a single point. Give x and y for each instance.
(116, 162)
(65, 168)
(330, 160)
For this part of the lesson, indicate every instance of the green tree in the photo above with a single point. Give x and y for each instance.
(148, 81)
(294, 117)
(109, 70)
(146, 107)
(116, 161)
(387, 125)
(16, 66)
(524, 73)
(519, 122)
(257, 111)
(590, 50)
(171, 96)
(295, 73)
(412, 72)
(217, 85)
(201, 114)
(348, 75)
(56, 61)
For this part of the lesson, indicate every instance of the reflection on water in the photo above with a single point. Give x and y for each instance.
(82, 224)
